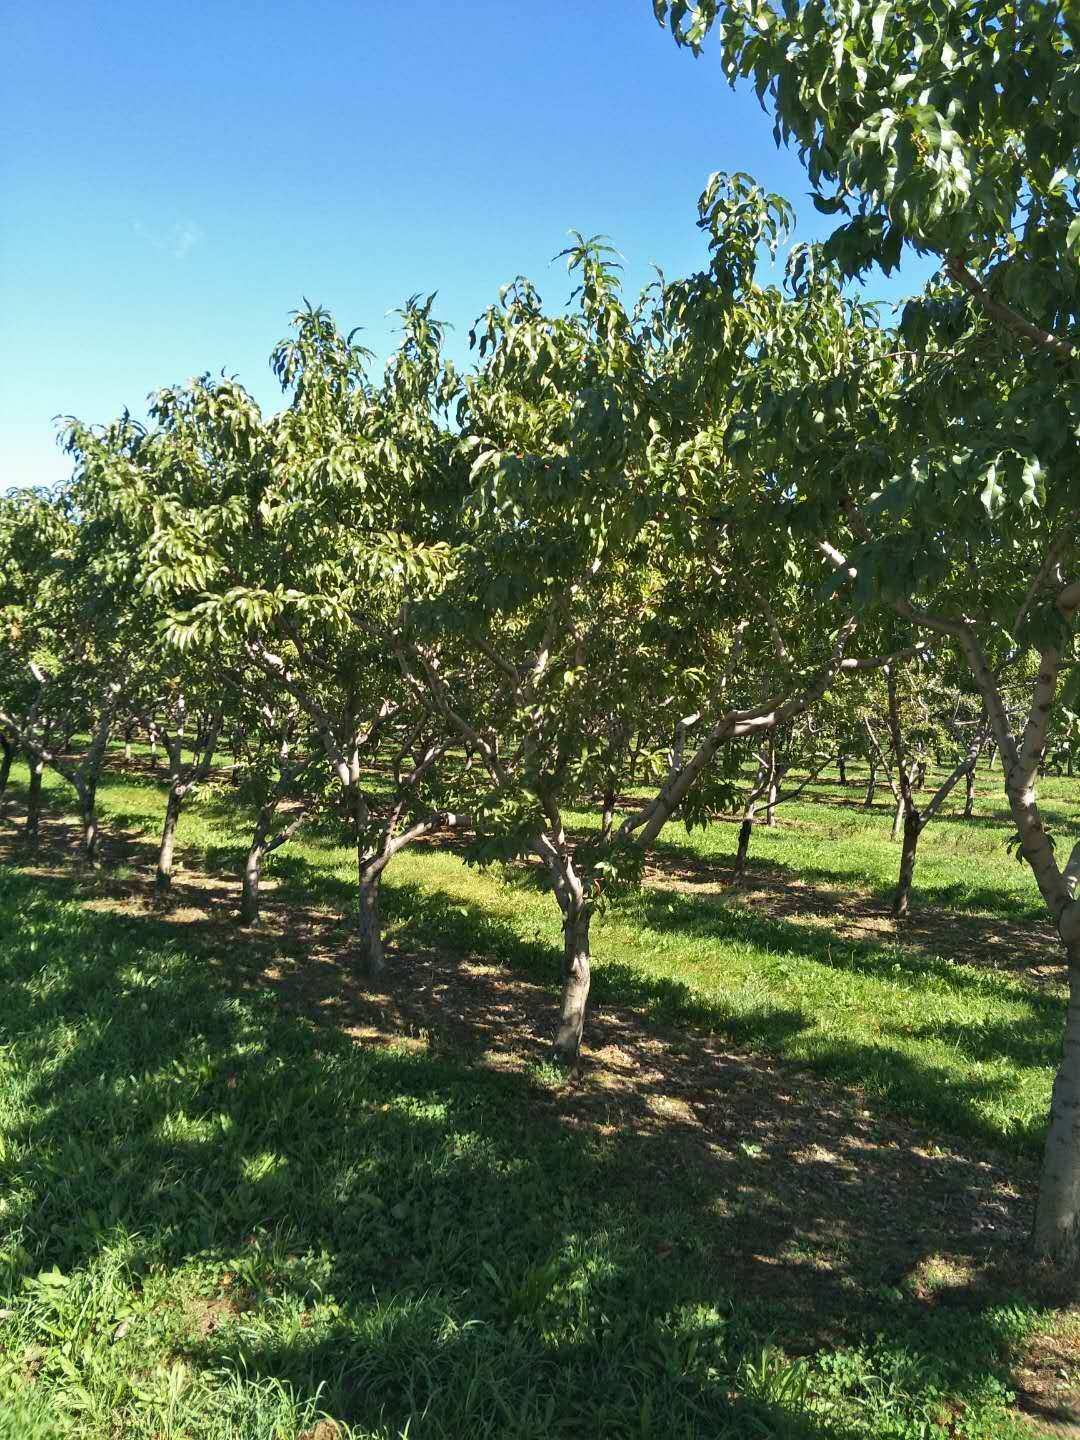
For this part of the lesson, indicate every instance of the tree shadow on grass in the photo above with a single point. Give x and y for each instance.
(306, 944)
(979, 925)
(1054, 810)
(469, 1248)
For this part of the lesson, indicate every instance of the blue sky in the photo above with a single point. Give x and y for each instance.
(177, 178)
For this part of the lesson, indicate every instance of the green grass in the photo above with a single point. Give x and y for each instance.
(218, 1219)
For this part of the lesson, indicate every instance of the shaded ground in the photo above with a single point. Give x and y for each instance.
(822, 1200)
(1030, 949)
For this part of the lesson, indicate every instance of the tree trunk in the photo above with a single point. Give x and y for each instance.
(969, 798)
(90, 829)
(369, 929)
(608, 816)
(841, 761)
(770, 799)
(871, 787)
(576, 978)
(912, 831)
(746, 830)
(1056, 1235)
(6, 758)
(33, 800)
(898, 817)
(168, 840)
(991, 750)
(249, 894)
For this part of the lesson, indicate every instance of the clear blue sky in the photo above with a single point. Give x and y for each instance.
(176, 178)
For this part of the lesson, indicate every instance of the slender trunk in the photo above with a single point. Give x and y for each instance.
(86, 789)
(608, 816)
(168, 839)
(841, 761)
(6, 758)
(249, 894)
(991, 750)
(90, 834)
(90, 828)
(898, 817)
(1056, 1235)
(575, 987)
(912, 831)
(369, 929)
(770, 800)
(871, 786)
(746, 830)
(33, 800)
(969, 797)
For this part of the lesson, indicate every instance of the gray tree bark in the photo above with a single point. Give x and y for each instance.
(33, 800)
(576, 980)
(249, 893)
(91, 829)
(898, 818)
(746, 830)
(163, 879)
(912, 831)
(7, 747)
(1056, 1234)
(369, 926)
(774, 786)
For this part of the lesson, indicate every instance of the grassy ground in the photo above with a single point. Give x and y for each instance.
(245, 1194)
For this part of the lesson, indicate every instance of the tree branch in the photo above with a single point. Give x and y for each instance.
(1004, 314)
